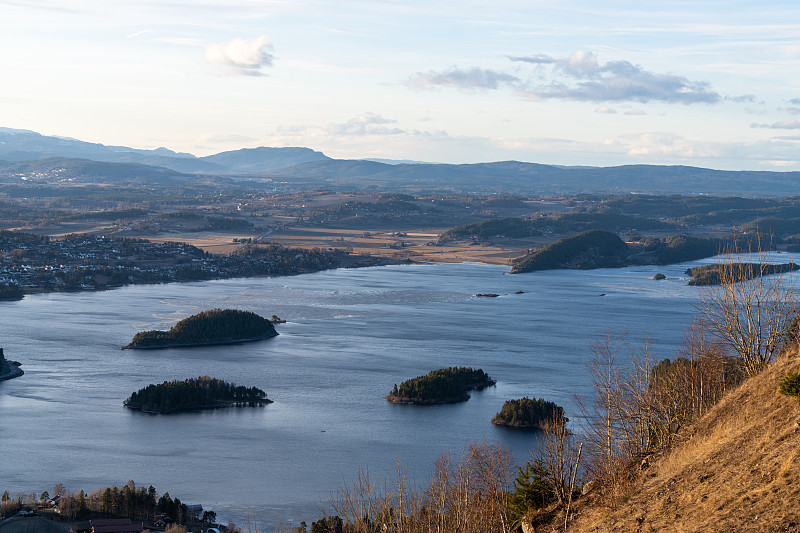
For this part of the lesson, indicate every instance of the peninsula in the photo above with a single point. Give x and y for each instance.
(192, 394)
(605, 249)
(209, 328)
(528, 413)
(445, 385)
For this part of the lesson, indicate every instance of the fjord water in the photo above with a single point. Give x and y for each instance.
(351, 335)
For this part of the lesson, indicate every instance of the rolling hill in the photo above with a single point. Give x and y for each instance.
(315, 169)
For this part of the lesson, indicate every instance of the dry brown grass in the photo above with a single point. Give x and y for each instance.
(737, 469)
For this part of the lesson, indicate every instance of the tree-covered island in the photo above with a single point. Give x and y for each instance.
(735, 272)
(445, 385)
(211, 327)
(528, 413)
(192, 394)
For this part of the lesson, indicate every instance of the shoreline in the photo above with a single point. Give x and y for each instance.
(14, 371)
(405, 400)
(402, 400)
(220, 342)
(521, 427)
(218, 405)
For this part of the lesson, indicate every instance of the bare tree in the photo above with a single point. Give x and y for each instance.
(624, 417)
(748, 311)
(687, 387)
(468, 496)
(558, 454)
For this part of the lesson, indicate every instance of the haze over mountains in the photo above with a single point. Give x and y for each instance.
(24, 151)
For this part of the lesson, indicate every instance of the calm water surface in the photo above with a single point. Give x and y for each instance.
(351, 335)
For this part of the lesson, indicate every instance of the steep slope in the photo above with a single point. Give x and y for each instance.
(738, 469)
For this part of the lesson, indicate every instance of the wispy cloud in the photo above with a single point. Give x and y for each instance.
(582, 77)
(241, 56)
(782, 163)
(138, 33)
(366, 124)
(795, 101)
(781, 125)
(658, 145)
(742, 99)
(606, 110)
(473, 79)
(635, 112)
(43, 5)
(229, 139)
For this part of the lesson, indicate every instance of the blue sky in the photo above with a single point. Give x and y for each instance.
(705, 83)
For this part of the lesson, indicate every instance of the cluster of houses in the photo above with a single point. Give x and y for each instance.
(30, 261)
(88, 262)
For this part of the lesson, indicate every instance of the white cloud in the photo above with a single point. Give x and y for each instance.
(781, 125)
(657, 145)
(241, 56)
(605, 109)
(582, 77)
(463, 79)
(138, 33)
(781, 163)
(742, 99)
(366, 124)
(635, 112)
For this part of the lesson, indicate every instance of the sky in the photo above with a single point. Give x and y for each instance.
(704, 83)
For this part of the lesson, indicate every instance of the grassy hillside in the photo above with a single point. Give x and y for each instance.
(736, 469)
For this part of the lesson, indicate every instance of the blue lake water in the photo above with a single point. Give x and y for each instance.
(351, 335)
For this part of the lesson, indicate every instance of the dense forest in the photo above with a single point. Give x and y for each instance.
(713, 274)
(214, 326)
(603, 249)
(489, 229)
(576, 222)
(202, 393)
(588, 249)
(527, 412)
(559, 223)
(680, 248)
(10, 291)
(445, 385)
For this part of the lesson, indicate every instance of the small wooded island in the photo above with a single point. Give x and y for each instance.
(735, 272)
(212, 327)
(445, 385)
(529, 413)
(192, 394)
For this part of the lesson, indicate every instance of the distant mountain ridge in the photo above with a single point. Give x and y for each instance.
(315, 169)
(26, 145)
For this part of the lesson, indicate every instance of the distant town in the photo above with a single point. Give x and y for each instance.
(90, 262)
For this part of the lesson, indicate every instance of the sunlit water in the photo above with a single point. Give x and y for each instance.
(351, 335)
